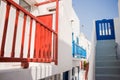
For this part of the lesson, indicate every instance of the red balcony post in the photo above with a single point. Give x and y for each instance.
(41, 43)
(57, 19)
(43, 46)
(24, 65)
(23, 36)
(49, 44)
(15, 33)
(35, 40)
(31, 21)
(5, 29)
(37, 44)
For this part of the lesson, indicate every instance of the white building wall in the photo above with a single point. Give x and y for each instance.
(66, 15)
(75, 23)
(117, 34)
(65, 41)
(119, 7)
(91, 58)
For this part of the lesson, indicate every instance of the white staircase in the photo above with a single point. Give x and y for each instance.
(107, 64)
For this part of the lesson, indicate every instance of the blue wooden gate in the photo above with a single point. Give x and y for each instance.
(105, 29)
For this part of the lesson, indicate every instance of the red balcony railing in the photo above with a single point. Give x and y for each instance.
(45, 40)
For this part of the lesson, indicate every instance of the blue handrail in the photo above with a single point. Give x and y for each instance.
(77, 51)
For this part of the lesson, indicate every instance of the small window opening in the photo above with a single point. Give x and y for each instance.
(25, 5)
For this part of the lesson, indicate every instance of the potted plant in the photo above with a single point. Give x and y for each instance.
(86, 65)
(86, 68)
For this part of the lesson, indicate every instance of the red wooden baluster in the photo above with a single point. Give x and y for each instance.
(44, 52)
(37, 41)
(31, 21)
(53, 59)
(15, 33)
(48, 43)
(23, 36)
(56, 49)
(57, 20)
(41, 38)
(5, 29)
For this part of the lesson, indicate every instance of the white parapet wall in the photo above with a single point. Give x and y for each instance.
(119, 7)
(117, 35)
(117, 32)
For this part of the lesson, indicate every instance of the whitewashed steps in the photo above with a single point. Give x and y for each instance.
(107, 64)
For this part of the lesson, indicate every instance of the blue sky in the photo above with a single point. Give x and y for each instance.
(89, 10)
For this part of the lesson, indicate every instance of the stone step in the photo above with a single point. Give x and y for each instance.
(107, 70)
(106, 53)
(107, 77)
(113, 63)
(102, 58)
(106, 42)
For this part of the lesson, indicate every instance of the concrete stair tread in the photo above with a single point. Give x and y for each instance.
(109, 67)
(106, 55)
(108, 70)
(101, 55)
(108, 60)
(108, 75)
(108, 63)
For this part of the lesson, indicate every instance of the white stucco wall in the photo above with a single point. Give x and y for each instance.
(91, 59)
(75, 23)
(66, 14)
(119, 7)
(117, 34)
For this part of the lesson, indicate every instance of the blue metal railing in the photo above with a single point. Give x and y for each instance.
(77, 51)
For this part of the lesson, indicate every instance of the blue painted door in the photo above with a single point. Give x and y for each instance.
(65, 75)
(105, 29)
